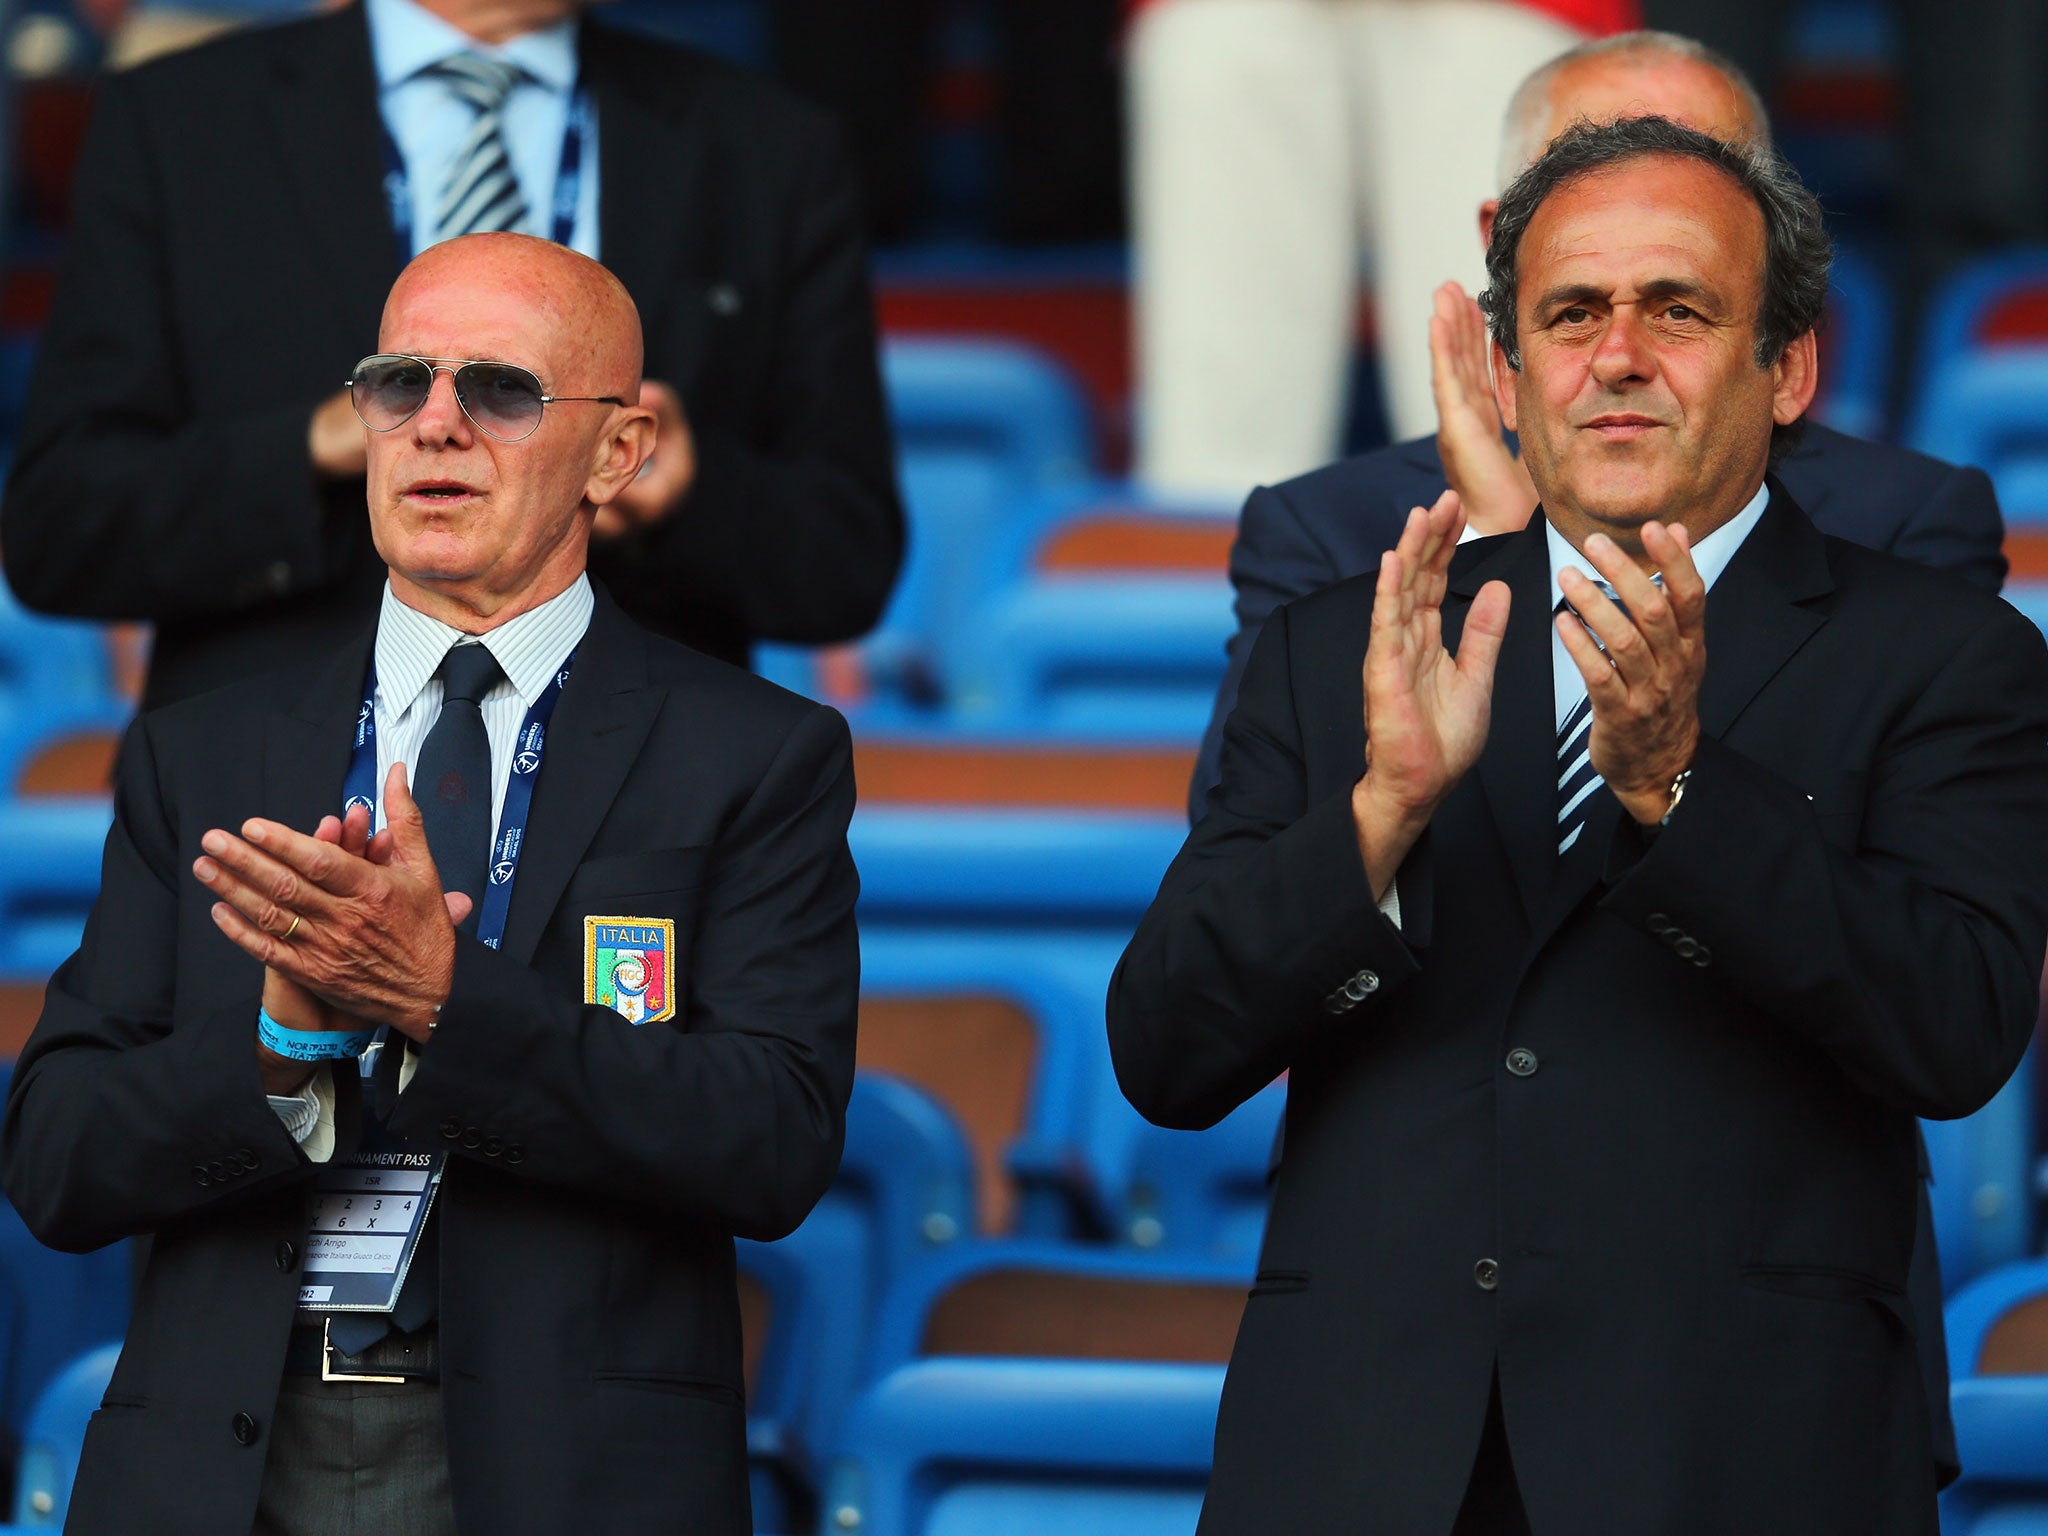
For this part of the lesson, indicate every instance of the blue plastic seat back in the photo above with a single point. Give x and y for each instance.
(48, 880)
(1990, 410)
(1856, 347)
(1204, 1192)
(1958, 313)
(2001, 1420)
(1982, 1176)
(56, 1434)
(1186, 1307)
(965, 1447)
(904, 1189)
(56, 680)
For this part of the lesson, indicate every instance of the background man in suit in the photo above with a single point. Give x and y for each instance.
(606, 1126)
(241, 211)
(1317, 530)
(1612, 959)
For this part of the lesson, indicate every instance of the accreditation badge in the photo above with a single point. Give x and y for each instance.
(628, 966)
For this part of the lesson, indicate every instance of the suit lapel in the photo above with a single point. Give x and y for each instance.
(643, 131)
(1518, 768)
(324, 121)
(1755, 621)
(607, 709)
(306, 747)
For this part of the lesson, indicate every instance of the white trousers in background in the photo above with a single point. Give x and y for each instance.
(1273, 142)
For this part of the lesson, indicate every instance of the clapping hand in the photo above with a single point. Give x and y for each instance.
(1645, 685)
(1426, 713)
(1491, 482)
(369, 934)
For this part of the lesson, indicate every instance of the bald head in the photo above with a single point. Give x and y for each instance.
(567, 304)
(478, 528)
(1636, 74)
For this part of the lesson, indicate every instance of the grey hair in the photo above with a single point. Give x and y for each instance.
(1528, 114)
(1797, 253)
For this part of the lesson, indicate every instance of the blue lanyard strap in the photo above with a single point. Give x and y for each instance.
(361, 786)
(568, 180)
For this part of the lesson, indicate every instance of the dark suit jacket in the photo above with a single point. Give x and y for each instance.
(1318, 529)
(589, 1323)
(228, 261)
(1699, 1191)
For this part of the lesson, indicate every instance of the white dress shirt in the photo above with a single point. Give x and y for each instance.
(530, 649)
(428, 121)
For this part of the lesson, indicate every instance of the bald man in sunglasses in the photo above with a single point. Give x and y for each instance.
(447, 1010)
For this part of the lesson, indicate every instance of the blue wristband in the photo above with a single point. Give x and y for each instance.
(311, 1044)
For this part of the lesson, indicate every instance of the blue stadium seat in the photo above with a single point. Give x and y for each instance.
(1990, 409)
(56, 1433)
(2001, 1419)
(56, 680)
(52, 1306)
(1957, 316)
(1045, 1299)
(1021, 1448)
(48, 880)
(1010, 867)
(1982, 1168)
(983, 430)
(1857, 347)
(1203, 1192)
(1116, 657)
(904, 1189)
(1057, 978)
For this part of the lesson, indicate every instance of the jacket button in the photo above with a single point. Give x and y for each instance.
(219, 1170)
(201, 1177)
(245, 1429)
(287, 1256)
(472, 1138)
(1660, 924)
(249, 1160)
(515, 1153)
(1686, 946)
(1702, 958)
(493, 1146)
(451, 1129)
(1362, 986)
(1487, 1273)
(1522, 1061)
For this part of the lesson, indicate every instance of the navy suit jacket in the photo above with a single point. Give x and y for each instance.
(1317, 530)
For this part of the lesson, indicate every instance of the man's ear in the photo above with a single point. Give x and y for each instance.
(621, 452)
(1504, 379)
(1487, 212)
(1795, 378)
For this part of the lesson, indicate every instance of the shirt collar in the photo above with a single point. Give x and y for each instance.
(531, 648)
(406, 38)
(1710, 556)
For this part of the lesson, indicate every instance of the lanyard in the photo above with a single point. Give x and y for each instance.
(568, 180)
(360, 788)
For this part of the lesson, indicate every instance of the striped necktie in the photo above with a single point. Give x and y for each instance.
(1576, 778)
(482, 193)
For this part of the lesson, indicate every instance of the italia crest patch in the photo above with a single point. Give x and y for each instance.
(627, 966)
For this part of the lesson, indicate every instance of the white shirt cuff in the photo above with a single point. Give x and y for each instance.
(308, 1115)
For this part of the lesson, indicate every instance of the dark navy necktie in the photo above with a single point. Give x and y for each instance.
(452, 780)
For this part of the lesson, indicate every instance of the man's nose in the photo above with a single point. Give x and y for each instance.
(441, 421)
(1624, 354)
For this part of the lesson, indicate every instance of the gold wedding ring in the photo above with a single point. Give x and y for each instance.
(285, 937)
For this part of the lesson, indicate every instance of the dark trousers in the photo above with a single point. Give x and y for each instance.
(1493, 1502)
(363, 1459)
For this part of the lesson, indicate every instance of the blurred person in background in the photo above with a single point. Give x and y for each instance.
(1056, 169)
(1612, 933)
(187, 455)
(1271, 142)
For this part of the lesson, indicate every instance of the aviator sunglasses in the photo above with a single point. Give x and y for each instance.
(503, 400)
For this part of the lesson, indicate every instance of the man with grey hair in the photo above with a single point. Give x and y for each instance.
(1614, 912)
(1309, 533)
